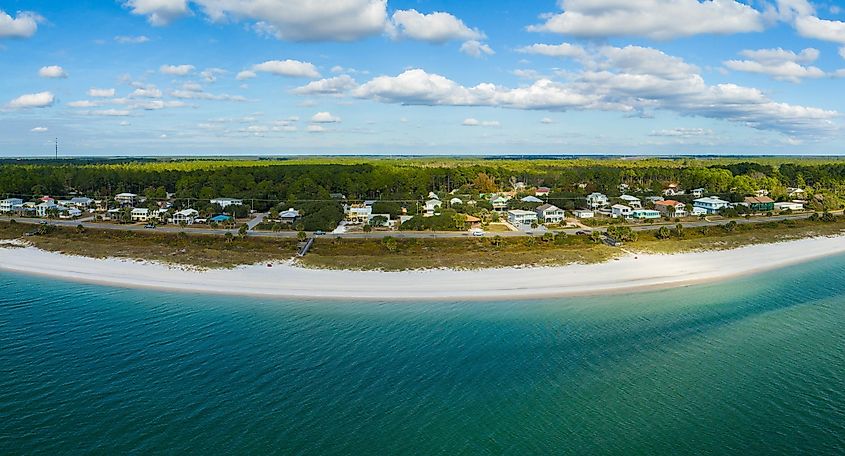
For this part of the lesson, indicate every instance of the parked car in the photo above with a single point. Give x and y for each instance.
(319, 233)
(477, 232)
(150, 225)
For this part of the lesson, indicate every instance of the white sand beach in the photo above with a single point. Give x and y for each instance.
(287, 280)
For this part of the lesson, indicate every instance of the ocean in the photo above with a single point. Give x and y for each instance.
(754, 365)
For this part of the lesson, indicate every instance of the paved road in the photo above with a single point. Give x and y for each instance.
(395, 234)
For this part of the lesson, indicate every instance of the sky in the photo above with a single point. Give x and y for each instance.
(470, 77)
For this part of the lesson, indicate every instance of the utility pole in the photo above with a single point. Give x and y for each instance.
(57, 148)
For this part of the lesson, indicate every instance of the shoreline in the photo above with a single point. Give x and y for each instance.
(638, 272)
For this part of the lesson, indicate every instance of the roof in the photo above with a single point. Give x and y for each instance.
(140, 210)
(543, 189)
(531, 199)
(472, 219)
(668, 203)
(187, 212)
(548, 207)
(620, 206)
(221, 218)
(126, 195)
(226, 199)
(292, 213)
(758, 199)
(711, 199)
(521, 212)
(629, 198)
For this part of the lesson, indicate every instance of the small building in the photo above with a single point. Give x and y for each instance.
(431, 207)
(68, 212)
(696, 211)
(226, 202)
(550, 213)
(455, 201)
(645, 214)
(520, 217)
(186, 216)
(596, 200)
(81, 202)
(290, 215)
(620, 210)
(654, 199)
(222, 218)
(531, 199)
(789, 206)
(671, 208)
(358, 214)
(499, 203)
(126, 199)
(140, 214)
(760, 203)
(11, 205)
(697, 192)
(795, 192)
(542, 191)
(473, 222)
(711, 204)
(632, 201)
(44, 208)
(583, 213)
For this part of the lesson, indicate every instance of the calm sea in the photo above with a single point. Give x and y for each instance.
(751, 366)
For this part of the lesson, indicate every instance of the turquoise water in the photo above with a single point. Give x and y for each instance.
(752, 366)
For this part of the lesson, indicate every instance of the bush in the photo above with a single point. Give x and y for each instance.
(663, 233)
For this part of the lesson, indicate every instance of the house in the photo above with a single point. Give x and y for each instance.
(81, 202)
(455, 201)
(431, 207)
(710, 204)
(696, 211)
(645, 214)
(760, 203)
(632, 201)
(499, 203)
(795, 192)
(542, 191)
(126, 199)
(68, 212)
(531, 199)
(596, 200)
(789, 206)
(226, 202)
(290, 215)
(359, 214)
(654, 199)
(697, 192)
(186, 216)
(671, 208)
(620, 210)
(520, 217)
(583, 213)
(473, 222)
(46, 207)
(550, 213)
(672, 190)
(11, 204)
(140, 214)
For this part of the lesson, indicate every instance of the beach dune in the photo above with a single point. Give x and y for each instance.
(287, 280)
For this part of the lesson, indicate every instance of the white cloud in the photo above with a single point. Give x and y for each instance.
(437, 27)
(682, 132)
(245, 74)
(290, 68)
(176, 70)
(316, 129)
(39, 130)
(159, 12)
(656, 19)
(335, 85)
(23, 25)
(473, 122)
(820, 29)
(546, 121)
(95, 92)
(475, 48)
(130, 39)
(150, 91)
(53, 72)
(778, 63)
(33, 100)
(842, 52)
(210, 74)
(324, 117)
(193, 94)
(83, 104)
(556, 50)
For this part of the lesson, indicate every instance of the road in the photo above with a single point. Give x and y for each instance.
(87, 223)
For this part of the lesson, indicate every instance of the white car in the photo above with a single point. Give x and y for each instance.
(477, 232)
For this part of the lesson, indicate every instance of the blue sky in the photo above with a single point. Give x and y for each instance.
(274, 77)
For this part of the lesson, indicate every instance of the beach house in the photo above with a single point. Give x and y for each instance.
(499, 203)
(226, 202)
(455, 201)
(358, 213)
(710, 204)
(290, 215)
(759, 203)
(45, 208)
(632, 201)
(11, 205)
(795, 192)
(583, 213)
(80, 202)
(671, 208)
(789, 206)
(431, 207)
(186, 216)
(126, 199)
(596, 200)
(519, 217)
(140, 214)
(697, 192)
(620, 210)
(550, 213)
(542, 191)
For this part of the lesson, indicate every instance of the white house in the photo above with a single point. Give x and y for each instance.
(795, 192)
(620, 210)
(697, 192)
(127, 199)
(597, 200)
(542, 191)
(10, 204)
(550, 213)
(499, 203)
(68, 212)
(81, 202)
(632, 201)
(711, 204)
(671, 208)
(359, 214)
(788, 205)
(583, 213)
(226, 202)
(696, 211)
(186, 216)
(431, 207)
(519, 217)
(43, 208)
(531, 199)
(140, 214)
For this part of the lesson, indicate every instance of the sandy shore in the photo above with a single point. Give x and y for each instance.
(286, 280)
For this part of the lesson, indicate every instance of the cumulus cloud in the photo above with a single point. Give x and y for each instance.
(556, 50)
(437, 27)
(290, 68)
(53, 72)
(110, 113)
(196, 93)
(210, 74)
(779, 63)
(546, 121)
(329, 86)
(324, 117)
(83, 104)
(159, 12)
(631, 80)
(149, 91)
(475, 48)
(32, 100)
(130, 39)
(176, 70)
(23, 25)
(656, 19)
(820, 29)
(473, 122)
(39, 130)
(102, 93)
(842, 52)
(316, 129)
(682, 132)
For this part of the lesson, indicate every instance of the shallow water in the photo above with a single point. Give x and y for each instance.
(750, 366)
